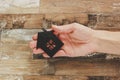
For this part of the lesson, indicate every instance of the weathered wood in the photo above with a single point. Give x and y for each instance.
(103, 78)
(68, 18)
(16, 57)
(41, 20)
(58, 6)
(22, 20)
(103, 21)
(11, 77)
(18, 36)
(55, 78)
(17, 47)
(108, 22)
(87, 68)
(78, 6)
(14, 54)
(52, 77)
(23, 66)
(19, 6)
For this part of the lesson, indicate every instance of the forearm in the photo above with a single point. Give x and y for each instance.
(108, 42)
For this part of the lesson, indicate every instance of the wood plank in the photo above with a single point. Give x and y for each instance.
(22, 20)
(11, 77)
(19, 6)
(108, 22)
(103, 21)
(18, 51)
(87, 68)
(61, 19)
(17, 47)
(18, 36)
(7, 54)
(52, 77)
(23, 67)
(104, 78)
(48, 77)
(78, 6)
(58, 6)
(38, 20)
(15, 44)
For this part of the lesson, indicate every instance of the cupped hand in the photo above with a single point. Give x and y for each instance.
(78, 41)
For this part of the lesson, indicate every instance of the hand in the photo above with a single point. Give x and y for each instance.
(78, 41)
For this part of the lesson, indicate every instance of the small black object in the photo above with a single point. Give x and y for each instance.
(48, 42)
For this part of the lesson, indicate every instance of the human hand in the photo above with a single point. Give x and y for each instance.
(78, 41)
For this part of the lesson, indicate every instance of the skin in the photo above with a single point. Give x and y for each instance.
(80, 40)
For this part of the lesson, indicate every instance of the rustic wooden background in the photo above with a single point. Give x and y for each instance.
(20, 19)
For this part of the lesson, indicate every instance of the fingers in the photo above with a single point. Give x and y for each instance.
(35, 37)
(45, 55)
(60, 53)
(33, 44)
(40, 51)
(37, 51)
(63, 29)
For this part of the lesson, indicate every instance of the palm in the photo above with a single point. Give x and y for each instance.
(73, 48)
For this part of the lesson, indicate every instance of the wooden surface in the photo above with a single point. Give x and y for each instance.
(78, 6)
(40, 20)
(19, 6)
(25, 18)
(33, 21)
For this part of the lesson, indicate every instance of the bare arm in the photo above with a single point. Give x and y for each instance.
(80, 40)
(108, 42)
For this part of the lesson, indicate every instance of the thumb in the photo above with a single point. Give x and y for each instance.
(63, 29)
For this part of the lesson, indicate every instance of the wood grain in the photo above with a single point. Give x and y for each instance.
(78, 6)
(11, 77)
(87, 68)
(22, 20)
(41, 20)
(55, 78)
(108, 22)
(19, 6)
(25, 18)
(23, 67)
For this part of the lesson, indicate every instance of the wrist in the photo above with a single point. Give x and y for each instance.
(96, 40)
(106, 42)
(100, 39)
